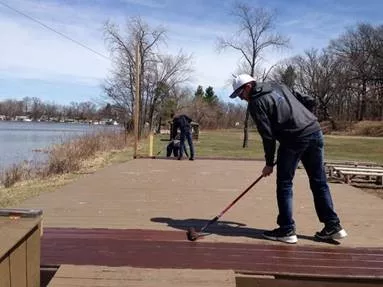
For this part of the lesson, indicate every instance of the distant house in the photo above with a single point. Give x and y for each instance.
(111, 122)
(3, 117)
(23, 118)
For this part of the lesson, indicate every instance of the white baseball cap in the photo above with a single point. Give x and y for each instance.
(238, 82)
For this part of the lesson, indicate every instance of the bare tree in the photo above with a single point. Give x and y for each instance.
(317, 74)
(254, 36)
(285, 73)
(159, 74)
(164, 75)
(37, 109)
(356, 50)
(121, 87)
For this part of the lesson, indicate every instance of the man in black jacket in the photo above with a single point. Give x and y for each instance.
(284, 116)
(183, 123)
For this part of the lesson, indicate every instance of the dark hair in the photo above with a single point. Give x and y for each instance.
(172, 114)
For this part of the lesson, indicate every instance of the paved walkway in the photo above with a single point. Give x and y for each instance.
(171, 195)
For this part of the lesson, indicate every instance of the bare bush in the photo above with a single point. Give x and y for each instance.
(67, 157)
(368, 128)
(14, 174)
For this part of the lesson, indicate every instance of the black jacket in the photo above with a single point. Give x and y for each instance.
(279, 115)
(182, 122)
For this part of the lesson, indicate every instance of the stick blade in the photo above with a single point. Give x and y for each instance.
(192, 234)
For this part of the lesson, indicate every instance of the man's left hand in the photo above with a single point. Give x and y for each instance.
(267, 170)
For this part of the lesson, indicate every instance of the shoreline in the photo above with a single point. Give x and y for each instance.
(23, 190)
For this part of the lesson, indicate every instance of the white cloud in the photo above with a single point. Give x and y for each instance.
(32, 51)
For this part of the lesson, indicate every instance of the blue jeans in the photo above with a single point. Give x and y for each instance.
(309, 150)
(188, 136)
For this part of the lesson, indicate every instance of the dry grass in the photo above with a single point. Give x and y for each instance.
(363, 128)
(29, 188)
(18, 172)
(368, 128)
(69, 156)
(12, 175)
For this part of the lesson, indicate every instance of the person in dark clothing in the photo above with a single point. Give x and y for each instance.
(183, 123)
(174, 148)
(285, 116)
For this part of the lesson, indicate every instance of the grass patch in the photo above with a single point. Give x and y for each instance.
(228, 143)
(214, 143)
(354, 148)
(30, 188)
(363, 128)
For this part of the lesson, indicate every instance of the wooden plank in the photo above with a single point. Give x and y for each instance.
(360, 173)
(33, 259)
(5, 277)
(139, 248)
(254, 281)
(71, 275)
(358, 169)
(355, 163)
(18, 266)
(354, 166)
(21, 212)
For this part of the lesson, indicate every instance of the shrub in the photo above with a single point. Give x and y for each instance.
(368, 128)
(68, 156)
(12, 175)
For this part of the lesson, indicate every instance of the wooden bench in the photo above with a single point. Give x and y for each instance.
(347, 173)
(330, 166)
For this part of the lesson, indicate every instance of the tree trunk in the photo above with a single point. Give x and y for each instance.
(159, 125)
(327, 116)
(245, 129)
(362, 111)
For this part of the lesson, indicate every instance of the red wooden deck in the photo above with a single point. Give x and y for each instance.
(170, 249)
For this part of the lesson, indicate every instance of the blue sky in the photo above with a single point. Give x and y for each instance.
(36, 62)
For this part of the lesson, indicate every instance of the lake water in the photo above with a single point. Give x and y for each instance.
(20, 140)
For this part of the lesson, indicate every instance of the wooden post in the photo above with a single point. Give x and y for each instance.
(137, 101)
(150, 144)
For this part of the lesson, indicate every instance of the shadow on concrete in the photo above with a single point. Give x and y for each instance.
(224, 228)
